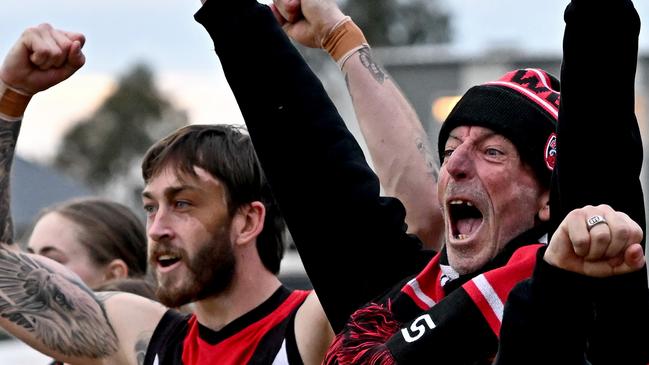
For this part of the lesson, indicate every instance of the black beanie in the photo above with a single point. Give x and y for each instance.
(522, 106)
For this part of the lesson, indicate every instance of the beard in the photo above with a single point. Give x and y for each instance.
(211, 271)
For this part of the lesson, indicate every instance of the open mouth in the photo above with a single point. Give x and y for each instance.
(465, 218)
(168, 260)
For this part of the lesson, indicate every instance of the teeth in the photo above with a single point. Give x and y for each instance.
(167, 257)
(462, 236)
(458, 202)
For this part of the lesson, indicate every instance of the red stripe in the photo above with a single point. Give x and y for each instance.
(239, 348)
(411, 293)
(503, 279)
(483, 306)
(429, 283)
(535, 84)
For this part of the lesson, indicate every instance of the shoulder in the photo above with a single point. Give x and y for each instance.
(165, 344)
(134, 320)
(313, 333)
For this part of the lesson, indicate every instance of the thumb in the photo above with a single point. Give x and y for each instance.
(76, 58)
(73, 36)
(278, 15)
(634, 260)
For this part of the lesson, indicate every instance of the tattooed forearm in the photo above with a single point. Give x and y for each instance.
(375, 69)
(58, 310)
(141, 345)
(424, 148)
(8, 137)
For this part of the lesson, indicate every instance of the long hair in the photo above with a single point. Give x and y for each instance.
(108, 230)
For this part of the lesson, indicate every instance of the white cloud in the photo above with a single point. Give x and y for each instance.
(51, 112)
(205, 95)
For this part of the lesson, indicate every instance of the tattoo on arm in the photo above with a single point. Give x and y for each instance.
(59, 311)
(141, 345)
(375, 69)
(424, 148)
(349, 86)
(8, 137)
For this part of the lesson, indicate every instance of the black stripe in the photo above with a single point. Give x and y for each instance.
(261, 311)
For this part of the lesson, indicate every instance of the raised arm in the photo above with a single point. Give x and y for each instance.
(585, 175)
(352, 242)
(549, 317)
(41, 302)
(584, 127)
(397, 141)
(40, 59)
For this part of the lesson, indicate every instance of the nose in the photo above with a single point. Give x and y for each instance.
(159, 226)
(460, 164)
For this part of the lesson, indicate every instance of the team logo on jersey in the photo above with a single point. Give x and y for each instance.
(551, 151)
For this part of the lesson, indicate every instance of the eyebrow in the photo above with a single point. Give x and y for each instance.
(171, 191)
(489, 134)
(44, 251)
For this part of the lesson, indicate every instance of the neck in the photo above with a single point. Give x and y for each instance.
(251, 286)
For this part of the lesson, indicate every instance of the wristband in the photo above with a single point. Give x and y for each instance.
(12, 103)
(344, 39)
(348, 55)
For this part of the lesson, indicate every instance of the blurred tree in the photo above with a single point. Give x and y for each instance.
(105, 149)
(390, 23)
(400, 22)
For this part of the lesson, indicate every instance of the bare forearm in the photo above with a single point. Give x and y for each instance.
(398, 144)
(397, 141)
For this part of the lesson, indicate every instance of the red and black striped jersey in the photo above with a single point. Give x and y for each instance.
(265, 335)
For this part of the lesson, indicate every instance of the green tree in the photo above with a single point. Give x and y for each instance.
(105, 149)
(400, 22)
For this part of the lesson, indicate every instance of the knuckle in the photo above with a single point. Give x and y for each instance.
(605, 207)
(581, 242)
(623, 232)
(44, 27)
(29, 31)
(600, 235)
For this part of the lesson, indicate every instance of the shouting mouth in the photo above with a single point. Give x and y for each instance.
(465, 219)
(167, 262)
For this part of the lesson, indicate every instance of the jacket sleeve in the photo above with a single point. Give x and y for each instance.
(352, 242)
(599, 159)
(546, 319)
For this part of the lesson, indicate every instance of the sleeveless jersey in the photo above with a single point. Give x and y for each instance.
(265, 335)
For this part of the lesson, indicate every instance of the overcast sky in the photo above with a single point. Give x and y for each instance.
(164, 34)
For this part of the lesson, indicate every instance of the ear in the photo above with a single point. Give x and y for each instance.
(248, 222)
(544, 206)
(116, 269)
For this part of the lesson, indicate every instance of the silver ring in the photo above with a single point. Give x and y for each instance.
(593, 221)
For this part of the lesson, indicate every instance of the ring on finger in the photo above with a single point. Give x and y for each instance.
(595, 220)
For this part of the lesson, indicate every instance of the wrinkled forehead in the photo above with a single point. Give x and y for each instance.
(464, 133)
